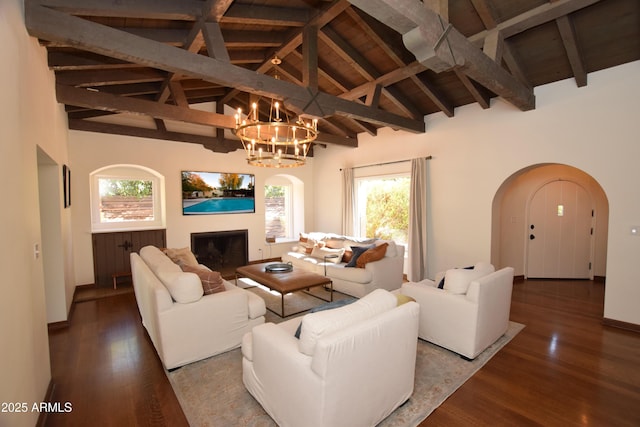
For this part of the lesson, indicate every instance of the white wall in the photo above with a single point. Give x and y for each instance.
(594, 128)
(29, 118)
(90, 151)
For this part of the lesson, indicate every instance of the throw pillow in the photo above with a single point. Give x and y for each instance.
(211, 280)
(374, 254)
(346, 257)
(356, 252)
(327, 254)
(457, 280)
(182, 256)
(323, 307)
(441, 282)
(403, 299)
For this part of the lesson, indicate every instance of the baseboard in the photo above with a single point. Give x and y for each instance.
(621, 325)
(48, 397)
(58, 325)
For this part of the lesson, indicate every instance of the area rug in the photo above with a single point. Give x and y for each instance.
(211, 392)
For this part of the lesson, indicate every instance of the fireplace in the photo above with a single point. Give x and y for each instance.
(221, 251)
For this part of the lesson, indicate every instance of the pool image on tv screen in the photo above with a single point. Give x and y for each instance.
(210, 193)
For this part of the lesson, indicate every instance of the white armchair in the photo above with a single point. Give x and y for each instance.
(465, 318)
(352, 366)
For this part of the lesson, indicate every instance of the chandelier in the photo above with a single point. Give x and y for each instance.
(278, 142)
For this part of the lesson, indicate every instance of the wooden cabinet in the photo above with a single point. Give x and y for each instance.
(111, 251)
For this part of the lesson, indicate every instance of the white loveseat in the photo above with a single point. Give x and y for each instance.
(198, 326)
(469, 313)
(352, 366)
(317, 255)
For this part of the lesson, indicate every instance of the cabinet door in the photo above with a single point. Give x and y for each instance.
(110, 255)
(111, 251)
(140, 239)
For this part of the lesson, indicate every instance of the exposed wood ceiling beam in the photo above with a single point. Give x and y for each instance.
(568, 34)
(441, 47)
(212, 143)
(542, 14)
(96, 78)
(108, 102)
(53, 25)
(425, 87)
(184, 10)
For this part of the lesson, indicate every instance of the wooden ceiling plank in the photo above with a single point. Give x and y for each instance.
(184, 10)
(348, 54)
(109, 102)
(53, 25)
(65, 61)
(294, 39)
(423, 86)
(423, 29)
(429, 89)
(568, 34)
(252, 39)
(265, 15)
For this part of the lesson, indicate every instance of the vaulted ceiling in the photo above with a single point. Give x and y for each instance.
(139, 67)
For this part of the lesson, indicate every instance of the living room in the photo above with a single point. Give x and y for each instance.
(592, 128)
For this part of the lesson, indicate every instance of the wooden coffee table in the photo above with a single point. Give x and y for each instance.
(285, 282)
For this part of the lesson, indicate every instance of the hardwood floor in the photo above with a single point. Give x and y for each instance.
(565, 368)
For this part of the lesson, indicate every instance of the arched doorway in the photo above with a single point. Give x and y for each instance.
(558, 189)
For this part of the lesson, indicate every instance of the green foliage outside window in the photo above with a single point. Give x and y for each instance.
(125, 188)
(387, 208)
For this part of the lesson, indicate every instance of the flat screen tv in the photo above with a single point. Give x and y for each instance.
(210, 193)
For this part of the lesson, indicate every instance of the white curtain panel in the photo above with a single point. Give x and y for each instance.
(417, 251)
(348, 202)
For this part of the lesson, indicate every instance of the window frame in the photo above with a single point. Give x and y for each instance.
(359, 226)
(124, 173)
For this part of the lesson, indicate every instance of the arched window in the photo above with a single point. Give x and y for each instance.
(284, 207)
(126, 197)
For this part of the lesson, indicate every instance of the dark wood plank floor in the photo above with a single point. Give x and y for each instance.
(565, 368)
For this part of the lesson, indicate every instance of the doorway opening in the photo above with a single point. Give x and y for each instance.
(551, 221)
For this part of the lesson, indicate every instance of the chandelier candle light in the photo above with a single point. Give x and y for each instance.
(276, 143)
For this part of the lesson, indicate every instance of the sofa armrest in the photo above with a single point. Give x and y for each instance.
(285, 372)
(386, 273)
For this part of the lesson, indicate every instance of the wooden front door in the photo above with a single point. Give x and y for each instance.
(111, 251)
(560, 232)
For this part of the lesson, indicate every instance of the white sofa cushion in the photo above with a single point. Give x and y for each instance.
(184, 287)
(322, 323)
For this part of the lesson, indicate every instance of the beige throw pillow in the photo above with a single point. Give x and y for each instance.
(182, 256)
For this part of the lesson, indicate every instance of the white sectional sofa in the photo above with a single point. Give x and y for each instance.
(183, 324)
(323, 253)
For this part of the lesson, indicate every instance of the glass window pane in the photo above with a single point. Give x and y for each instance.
(276, 211)
(383, 208)
(125, 200)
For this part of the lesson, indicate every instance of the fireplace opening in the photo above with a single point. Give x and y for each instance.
(221, 251)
